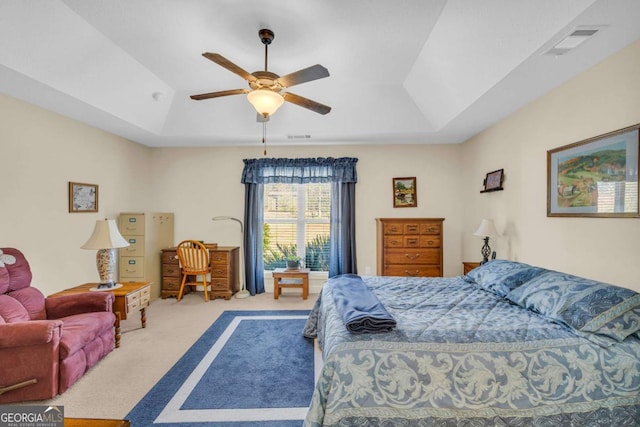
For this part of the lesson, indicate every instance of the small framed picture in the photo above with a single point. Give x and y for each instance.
(83, 197)
(493, 181)
(404, 193)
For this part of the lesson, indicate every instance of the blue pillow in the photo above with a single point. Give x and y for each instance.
(585, 305)
(501, 276)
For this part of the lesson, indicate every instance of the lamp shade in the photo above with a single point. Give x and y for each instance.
(265, 101)
(486, 229)
(105, 236)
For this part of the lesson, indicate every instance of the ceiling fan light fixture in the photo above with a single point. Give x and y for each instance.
(265, 101)
(265, 96)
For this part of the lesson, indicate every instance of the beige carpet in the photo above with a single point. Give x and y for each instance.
(113, 387)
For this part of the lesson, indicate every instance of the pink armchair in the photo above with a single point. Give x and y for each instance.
(47, 344)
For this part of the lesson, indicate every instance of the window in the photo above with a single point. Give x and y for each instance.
(330, 205)
(296, 223)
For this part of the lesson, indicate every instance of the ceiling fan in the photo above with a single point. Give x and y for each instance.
(266, 94)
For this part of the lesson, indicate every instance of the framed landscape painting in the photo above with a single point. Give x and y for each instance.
(404, 193)
(597, 177)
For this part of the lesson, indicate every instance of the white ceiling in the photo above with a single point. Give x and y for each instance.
(402, 71)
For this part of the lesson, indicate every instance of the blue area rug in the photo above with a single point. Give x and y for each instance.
(249, 369)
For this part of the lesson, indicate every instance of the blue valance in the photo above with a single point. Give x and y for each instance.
(299, 171)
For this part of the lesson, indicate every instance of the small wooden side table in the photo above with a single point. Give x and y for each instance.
(301, 275)
(468, 266)
(130, 297)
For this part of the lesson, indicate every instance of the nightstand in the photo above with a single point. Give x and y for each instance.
(468, 266)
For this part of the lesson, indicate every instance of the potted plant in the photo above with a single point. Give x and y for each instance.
(293, 262)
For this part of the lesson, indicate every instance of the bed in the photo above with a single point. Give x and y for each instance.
(506, 345)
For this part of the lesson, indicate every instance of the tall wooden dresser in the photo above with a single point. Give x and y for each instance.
(409, 246)
(225, 279)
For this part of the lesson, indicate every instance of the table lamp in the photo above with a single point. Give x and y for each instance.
(106, 238)
(486, 230)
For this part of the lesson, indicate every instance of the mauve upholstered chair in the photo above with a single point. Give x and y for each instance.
(47, 344)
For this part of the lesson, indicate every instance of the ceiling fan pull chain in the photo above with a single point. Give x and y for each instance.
(264, 136)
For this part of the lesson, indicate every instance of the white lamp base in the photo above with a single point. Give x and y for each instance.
(106, 263)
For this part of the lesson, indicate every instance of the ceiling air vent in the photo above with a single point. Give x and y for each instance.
(298, 136)
(574, 39)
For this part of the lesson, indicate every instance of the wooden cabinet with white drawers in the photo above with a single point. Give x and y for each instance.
(138, 300)
(409, 247)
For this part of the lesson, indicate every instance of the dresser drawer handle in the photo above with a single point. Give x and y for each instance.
(393, 228)
(170, 270)
(412, 241)
(412, 256)
(394, 242)
(430, 242)
(409, 273)
(219, 271)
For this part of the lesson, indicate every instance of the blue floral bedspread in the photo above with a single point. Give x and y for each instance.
(463, 356)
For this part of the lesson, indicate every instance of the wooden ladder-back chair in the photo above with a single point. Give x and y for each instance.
(193, 257)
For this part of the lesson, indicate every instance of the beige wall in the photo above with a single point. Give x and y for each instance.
(601, 100)
(42, 151)
(179, 175)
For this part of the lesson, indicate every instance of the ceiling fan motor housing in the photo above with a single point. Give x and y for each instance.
(265, 80)
(266, 36)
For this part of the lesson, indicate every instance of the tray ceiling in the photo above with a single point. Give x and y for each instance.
(407, 71)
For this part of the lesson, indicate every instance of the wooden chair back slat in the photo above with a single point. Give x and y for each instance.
(193, 257)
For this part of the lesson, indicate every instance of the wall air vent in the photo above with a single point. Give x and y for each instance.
(574, 39)
(298, 136)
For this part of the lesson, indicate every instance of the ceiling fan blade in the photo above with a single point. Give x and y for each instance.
(308, 74)
(306, 103)
(219, 94)
(225, 63)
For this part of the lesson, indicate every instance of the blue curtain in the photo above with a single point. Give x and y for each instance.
(299, 171)
(340, 172)
(253, 219)
(342, 249)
